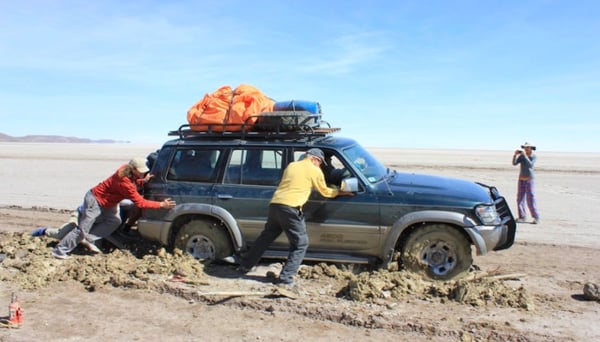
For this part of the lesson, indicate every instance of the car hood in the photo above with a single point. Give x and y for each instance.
(438, 190)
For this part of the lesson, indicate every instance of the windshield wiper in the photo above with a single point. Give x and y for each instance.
(390, 173)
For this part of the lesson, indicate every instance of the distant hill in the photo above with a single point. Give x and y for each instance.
(54, 139)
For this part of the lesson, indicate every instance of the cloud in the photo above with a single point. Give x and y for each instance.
(348, 52)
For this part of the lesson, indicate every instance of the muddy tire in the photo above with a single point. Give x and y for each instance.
(204, 240)
(438, 252)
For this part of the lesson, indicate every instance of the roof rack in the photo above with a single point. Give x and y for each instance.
(284, 125)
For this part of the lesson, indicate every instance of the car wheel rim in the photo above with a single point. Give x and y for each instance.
(200, 247)
(440, 258)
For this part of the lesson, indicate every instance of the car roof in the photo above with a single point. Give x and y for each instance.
(324, 142)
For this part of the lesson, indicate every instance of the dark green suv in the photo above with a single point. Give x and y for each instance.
(223, 181)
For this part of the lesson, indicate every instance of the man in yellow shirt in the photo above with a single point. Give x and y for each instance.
(285, 213)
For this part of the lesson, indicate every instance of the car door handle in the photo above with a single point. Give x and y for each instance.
(224, 196)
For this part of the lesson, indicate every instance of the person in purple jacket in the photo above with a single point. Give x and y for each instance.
(526, 185)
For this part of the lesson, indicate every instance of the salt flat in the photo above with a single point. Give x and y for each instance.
(57, 176)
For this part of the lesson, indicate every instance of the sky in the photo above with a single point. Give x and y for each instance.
(404, 74)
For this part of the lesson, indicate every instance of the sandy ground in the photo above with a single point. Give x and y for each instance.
(131, 295)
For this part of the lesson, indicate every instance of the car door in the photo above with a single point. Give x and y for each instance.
(185, 174)
(249, 180)
(343, 224)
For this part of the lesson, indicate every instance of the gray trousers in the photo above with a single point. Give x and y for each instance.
(62, 231)
(282, 218)
(94, 223)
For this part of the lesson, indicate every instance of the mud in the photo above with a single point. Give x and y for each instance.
(29, 265)
(143, 265)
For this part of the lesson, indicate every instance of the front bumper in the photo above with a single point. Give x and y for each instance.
(498, 237)
(488, 238)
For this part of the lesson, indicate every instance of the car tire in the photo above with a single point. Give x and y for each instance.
(437, 251)
(204, 240)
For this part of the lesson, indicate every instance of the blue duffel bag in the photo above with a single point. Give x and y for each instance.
(297, 105)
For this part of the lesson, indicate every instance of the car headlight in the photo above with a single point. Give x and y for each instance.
(487, 214)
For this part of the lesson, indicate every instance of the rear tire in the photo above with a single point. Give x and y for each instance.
(437, 251)
(204, 240)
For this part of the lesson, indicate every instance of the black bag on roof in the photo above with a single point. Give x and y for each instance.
(287, 121)
(290, 116)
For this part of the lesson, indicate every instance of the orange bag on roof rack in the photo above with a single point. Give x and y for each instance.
(228, 109)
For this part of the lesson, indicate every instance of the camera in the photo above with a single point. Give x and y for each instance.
(519, 151)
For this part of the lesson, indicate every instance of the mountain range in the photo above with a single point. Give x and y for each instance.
(54, 139)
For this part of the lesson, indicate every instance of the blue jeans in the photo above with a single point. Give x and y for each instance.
(289, 220)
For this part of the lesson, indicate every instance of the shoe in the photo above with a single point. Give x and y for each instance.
(41, 231)
(535, 221)
(287, 289)
(521, 220)
(60, 256)
(90, 246)
(232, 259)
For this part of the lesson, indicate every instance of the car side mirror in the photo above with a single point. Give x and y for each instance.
(350, 184)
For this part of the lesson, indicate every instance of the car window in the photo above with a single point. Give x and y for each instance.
(254, 167)
(365, 163)
(161, 162)
(299, 155)
(334, 171)
(194, 165)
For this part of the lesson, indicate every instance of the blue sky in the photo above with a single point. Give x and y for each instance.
(410, 74)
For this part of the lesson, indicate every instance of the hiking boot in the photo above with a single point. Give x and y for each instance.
(290, 290)
(41, 231)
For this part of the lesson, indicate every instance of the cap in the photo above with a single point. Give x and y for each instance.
(139, 164)
(316, 152)
(526, 144)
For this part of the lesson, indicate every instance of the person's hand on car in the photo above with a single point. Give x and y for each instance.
(167, 203)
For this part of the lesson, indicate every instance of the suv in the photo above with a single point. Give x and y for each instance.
(223, 182)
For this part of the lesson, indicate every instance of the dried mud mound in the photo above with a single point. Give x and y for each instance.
(28, 264)
(403, 285)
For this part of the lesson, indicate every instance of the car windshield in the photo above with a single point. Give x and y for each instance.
(365, 163)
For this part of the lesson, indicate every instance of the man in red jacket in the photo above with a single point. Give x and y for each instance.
(99, 215)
